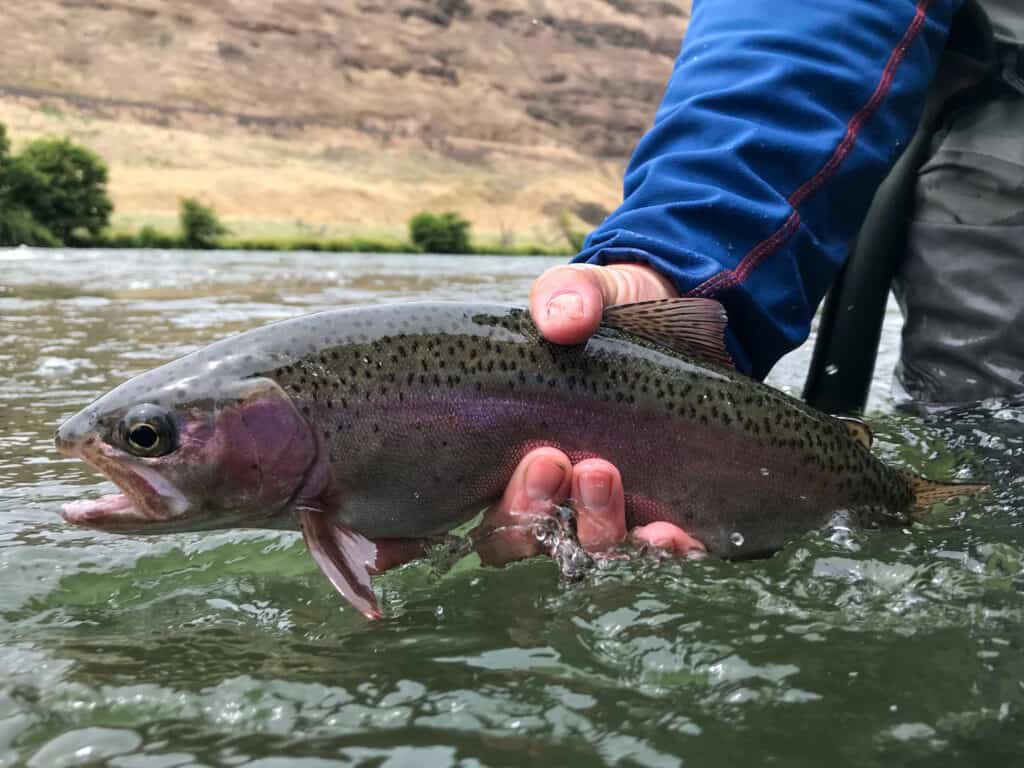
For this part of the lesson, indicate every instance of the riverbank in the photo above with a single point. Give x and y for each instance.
(322, 191)
(356, 244)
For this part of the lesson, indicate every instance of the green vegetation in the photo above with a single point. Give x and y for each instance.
(17, 225)
(575, 237)
(54, 193)
(440, 232)
(200, 226)
(65, 187)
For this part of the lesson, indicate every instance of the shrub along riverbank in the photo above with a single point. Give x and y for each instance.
(53, 193)
(200, 228)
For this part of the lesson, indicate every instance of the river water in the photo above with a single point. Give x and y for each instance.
(880, 648)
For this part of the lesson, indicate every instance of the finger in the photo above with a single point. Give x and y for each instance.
(601, 507)
(567, 301)
(542, 480)
(392, 553)
(668, 536)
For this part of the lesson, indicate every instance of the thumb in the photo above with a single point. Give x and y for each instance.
(567, 301)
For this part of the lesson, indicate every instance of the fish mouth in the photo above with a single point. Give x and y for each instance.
(147, 499)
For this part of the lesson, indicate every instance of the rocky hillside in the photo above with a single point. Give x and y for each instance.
(569, 82)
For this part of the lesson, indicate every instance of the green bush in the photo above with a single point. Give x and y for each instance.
(200, 226)
(150, 237)
(440, 233)
(64, 186)
(18, 227)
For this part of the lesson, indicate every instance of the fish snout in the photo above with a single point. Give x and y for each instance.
(74, 432)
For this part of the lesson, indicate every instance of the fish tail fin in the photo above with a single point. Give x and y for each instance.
(927, 492)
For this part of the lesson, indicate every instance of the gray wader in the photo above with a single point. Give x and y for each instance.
(961, 283)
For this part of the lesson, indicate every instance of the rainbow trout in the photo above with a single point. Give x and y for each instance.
(405, 421)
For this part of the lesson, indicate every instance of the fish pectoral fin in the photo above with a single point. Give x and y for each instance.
(689, 325)
(858, 430)
(345, 557)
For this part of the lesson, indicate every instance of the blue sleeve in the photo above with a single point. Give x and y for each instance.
(780, 120)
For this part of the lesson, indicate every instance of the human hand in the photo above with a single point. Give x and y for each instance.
(567, 303)
(545, 479)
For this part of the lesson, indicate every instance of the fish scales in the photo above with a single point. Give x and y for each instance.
(375, 428)
(445, 400)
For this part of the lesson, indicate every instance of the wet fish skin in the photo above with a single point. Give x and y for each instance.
(404, 421)
(424, 410)
(448, 410)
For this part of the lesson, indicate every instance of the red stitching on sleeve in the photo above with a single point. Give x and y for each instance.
(731, 277)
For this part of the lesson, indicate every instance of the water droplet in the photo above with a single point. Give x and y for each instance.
(736, 538)
(831, 369)
(765, 472)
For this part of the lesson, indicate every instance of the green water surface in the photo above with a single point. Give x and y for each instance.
(849, 648)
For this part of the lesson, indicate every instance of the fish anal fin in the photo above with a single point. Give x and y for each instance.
(689, 325)
(346, 558)
(858, 430)
(927, 492)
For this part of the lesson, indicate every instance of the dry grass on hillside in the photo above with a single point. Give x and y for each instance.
(346, 116)
(272, 187)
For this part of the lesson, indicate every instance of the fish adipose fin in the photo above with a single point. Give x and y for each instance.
(928, 492)
(693, 326)
(345, 557)
(858, 430)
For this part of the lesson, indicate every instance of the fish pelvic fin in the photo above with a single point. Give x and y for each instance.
(689, 325)
(928, 493)
(345, 557)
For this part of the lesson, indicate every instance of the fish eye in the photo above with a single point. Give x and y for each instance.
(148, 430)
(143, 436)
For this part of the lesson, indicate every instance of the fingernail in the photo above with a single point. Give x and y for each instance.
(543, 479)
(595, 490)
(568, 305)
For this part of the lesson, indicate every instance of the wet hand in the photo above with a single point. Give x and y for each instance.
(567, 303)
(546, 478)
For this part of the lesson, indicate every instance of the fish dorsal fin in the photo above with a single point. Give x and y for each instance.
(858, 430)
(693, 326)
(345, 557)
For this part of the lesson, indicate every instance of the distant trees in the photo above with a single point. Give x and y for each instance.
(200, 226)
(440, 232)
(52, 192)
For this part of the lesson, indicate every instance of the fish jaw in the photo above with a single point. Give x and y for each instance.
(148, 501)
